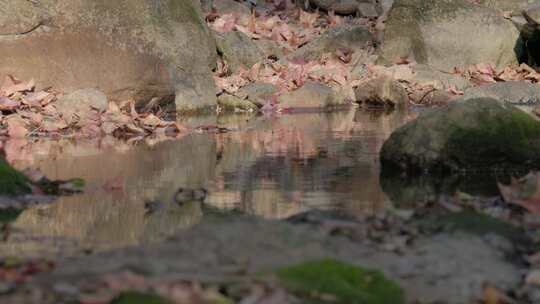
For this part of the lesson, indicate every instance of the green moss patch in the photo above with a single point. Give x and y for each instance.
(330, 281)
(12, 182)
(475, 223)
(9, 215)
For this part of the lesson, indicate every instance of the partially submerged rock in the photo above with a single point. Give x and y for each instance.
(449, 33)
(233, 103)
(129, 49)
(469, 134)
(312, 95)
(381, 92)
(238, 50)
(257, 92)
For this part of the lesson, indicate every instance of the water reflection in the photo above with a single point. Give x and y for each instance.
(271, 167)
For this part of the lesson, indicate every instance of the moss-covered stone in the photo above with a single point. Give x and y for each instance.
(12, 182)
(139, 298)
(330, 281)
(473, 223)
(9, 215)
(477, 134)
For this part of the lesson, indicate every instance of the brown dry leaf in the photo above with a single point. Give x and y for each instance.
(345, 55)
(524, 192)
(16, 127)
(247, 32)
(109, 127)
(492, 295)
(36, 99)
(307, 20)
(53, 125)
(134, 129)
(12, 85)
(152, 120)
(224, 23)
(334, 19)
(36, 118)
(7, 104)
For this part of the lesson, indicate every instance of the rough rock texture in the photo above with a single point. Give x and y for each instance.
(347, 7)
(311, 95)
(238, 50)
(506, 5)
(231, 7)
(446, 34)
(423, 74)
(459, 263)
(382, 91)
(76, 105)
(137, 49)
(519, 93)
(258, 93)
(234, 103)
(470, 134)
(270, 48)
(345, 37)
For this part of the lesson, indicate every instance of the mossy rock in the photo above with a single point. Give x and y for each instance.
(9, 215)
(330, 281)
(476, 224)
(134, 297)
(480, 134)
(12, 182)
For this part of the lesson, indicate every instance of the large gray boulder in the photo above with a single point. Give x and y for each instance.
(519, 93)
(506, 5)
(449, 33)
(351, 37)
(469, 134)
(129, 49)
(238, 50)
(368, 8)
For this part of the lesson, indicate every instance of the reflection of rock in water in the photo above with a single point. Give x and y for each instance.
(409, 191)
(323, 160)
(107, 219)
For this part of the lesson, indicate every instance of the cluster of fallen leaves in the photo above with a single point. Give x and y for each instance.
(524, 192)
(14, 271)
(290, 29)
(283, 23)
(480, 74)
(127, 285)
(25, 112)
